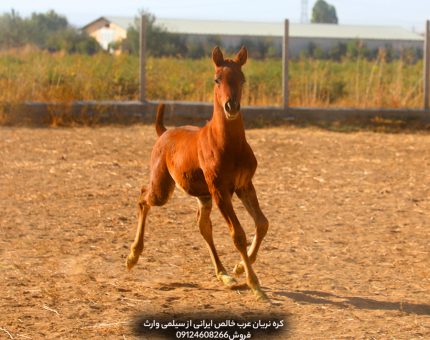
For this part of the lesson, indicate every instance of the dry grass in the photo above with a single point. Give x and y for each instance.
(32, 75)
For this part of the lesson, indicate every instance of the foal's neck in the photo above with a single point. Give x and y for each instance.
(230, 133)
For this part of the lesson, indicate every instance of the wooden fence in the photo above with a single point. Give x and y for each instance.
(197, 112)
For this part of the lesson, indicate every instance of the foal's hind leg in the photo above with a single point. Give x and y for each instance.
(205, 226)
(249, 199)
(160, 189)
(137, 246)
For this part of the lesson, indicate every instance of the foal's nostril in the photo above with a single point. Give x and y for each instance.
(228, 106)
(232, 106)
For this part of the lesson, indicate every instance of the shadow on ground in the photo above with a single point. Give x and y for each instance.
(316, 297)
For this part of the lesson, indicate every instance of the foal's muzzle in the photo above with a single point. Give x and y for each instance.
(231, 109)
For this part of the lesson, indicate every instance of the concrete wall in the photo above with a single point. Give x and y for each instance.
(180, 113)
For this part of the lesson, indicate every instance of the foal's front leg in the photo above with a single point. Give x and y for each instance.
(223, 200)
(205, 227)
(248, 196)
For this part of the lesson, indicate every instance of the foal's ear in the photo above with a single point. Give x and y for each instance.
(217, 56)
(241, 56)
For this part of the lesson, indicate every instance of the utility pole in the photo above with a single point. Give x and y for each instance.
(304, 16)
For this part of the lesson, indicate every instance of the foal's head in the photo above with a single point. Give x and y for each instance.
(229, 81)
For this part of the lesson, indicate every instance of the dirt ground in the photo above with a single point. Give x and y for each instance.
(346, 256)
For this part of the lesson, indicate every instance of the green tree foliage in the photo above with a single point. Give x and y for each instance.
(42, 25)
(202, 48)
(261, 48)
(13, 30)
(159, 42)
(357, 49)
(48, 31)
(324, 13)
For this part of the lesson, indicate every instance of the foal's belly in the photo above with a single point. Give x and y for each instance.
(192, 182)
(182, 160)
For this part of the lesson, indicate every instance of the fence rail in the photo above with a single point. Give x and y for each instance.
(195, 113)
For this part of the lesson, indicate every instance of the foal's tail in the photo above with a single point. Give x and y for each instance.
(159, 126)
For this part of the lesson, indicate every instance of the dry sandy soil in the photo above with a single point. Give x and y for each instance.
(346, 256)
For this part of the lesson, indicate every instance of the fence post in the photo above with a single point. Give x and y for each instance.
(143, 21)
(285, 64)
(427, 66)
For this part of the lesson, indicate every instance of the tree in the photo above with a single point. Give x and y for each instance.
(49, 31)
(43, 24)
(324, 13)
(14, 30)
(159, 42)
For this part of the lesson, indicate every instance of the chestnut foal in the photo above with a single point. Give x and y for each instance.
(212, 162)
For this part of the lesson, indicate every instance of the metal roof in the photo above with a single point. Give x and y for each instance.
(276, 29)
(353, 31)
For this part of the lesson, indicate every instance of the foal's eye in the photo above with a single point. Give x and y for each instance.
(217, 80)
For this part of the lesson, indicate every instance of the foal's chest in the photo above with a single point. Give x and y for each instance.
(232, 166)
(244, 169)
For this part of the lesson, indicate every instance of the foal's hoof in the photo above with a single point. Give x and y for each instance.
(261, 296)
(226, 279)
(238, 269)
(131, 260)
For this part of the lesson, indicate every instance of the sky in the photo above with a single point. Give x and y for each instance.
(410, 14)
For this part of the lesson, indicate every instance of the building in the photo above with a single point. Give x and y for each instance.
(233, 33)
(107, 30)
